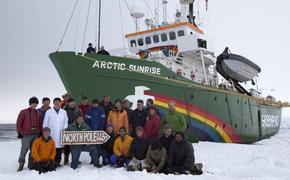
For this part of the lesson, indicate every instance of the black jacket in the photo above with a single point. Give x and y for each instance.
(107, 108)
(91, 50)
(139, 147)
(181, 155)
(108, 145)
(72, 114)
(138, 118)
(166, 142)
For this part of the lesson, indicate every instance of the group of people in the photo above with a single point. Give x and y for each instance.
(139, 139)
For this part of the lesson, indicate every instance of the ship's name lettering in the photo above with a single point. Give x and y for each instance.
(270, 121)
(123, 67)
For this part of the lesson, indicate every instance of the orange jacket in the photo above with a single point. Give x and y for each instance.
(42, 150)
(122, 147)
(118, 119)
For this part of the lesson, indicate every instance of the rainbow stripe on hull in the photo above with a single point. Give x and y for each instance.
(206, 124)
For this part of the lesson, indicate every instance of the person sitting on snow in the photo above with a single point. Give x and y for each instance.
(80, 125)
(156, 157)
(43, 152)
(121, 149)
(138, 151)
(181, 157)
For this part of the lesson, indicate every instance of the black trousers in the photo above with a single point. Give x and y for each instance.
(43, 167)
(67, 150)
(58, 155)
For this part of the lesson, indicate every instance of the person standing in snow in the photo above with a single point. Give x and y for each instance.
(43, 152)
(28, 126)
(126, 107)
(152, 125)
(149, 104)
(118, 117)
(181, 158)
(107, 105)
(138, 150)
(174, 119)
(45, 106)
(121, 149)
(138, 117)
(84, 106)
(72, 113)
(95, 119)
(56, 119)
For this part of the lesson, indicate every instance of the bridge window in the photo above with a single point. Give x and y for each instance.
(133, 43)
(140, 42)
(201, 43)
(180, 33)
(156, 39)
(172, 35)
(163, 37)
(148, 40)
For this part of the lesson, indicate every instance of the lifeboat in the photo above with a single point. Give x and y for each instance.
(236, 67)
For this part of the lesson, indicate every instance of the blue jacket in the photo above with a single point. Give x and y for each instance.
(95, 118)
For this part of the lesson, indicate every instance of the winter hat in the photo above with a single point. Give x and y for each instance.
(33, 100)
(96, 101)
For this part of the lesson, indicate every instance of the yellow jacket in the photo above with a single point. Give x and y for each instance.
(122, 147)
(42, 150)
(118, 119)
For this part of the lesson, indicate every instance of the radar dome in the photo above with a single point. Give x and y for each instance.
(137, 10)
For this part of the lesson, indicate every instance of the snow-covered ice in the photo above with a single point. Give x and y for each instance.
(268, 159)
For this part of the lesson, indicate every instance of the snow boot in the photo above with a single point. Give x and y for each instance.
(20, 167)
(130, 168)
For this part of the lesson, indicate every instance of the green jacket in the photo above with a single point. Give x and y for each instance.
(75, 127)
(175, 120)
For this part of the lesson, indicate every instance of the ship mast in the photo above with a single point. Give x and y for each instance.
(99, 26)
(164, 4)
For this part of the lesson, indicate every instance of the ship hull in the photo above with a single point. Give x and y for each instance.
(212, 114)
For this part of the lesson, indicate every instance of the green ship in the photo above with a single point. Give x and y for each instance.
(174, 61)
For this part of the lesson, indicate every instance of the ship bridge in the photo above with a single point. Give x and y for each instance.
(163, 39)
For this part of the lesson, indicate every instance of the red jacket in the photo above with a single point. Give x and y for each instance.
(29, 122)
(152, 127)
(84, 108)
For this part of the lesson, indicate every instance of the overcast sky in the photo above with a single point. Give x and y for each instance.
(31, 29)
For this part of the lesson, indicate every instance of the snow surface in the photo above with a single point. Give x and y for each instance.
(268, 159)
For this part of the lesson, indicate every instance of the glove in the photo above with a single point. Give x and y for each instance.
(19, 136)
